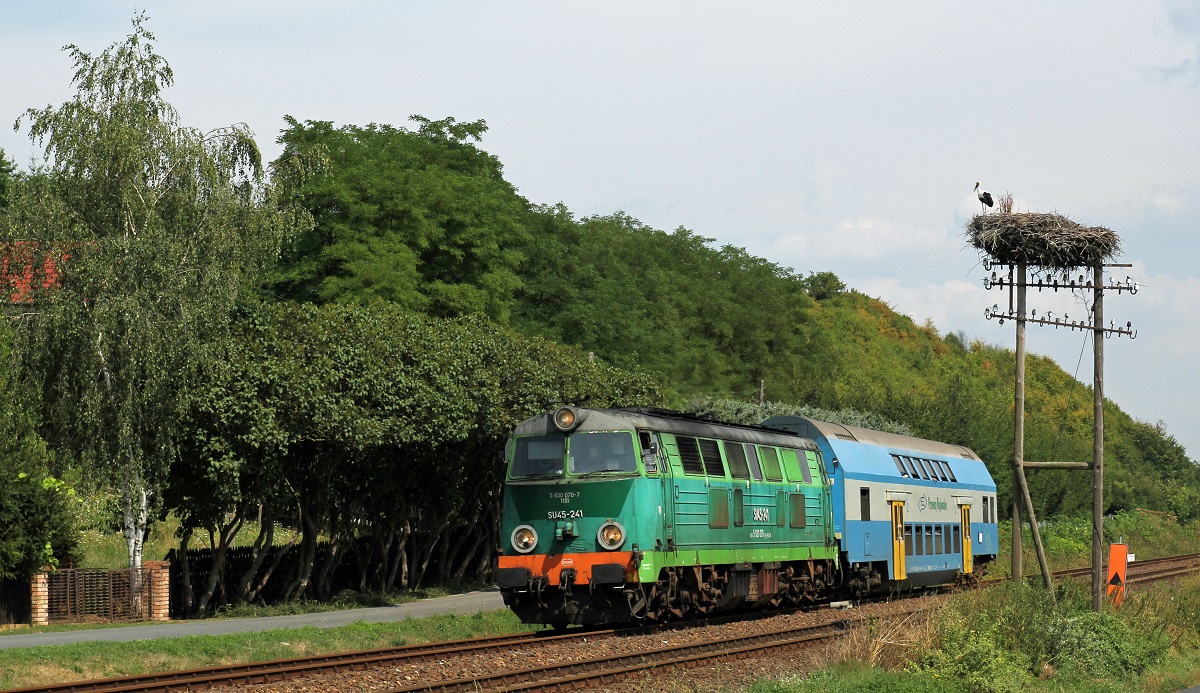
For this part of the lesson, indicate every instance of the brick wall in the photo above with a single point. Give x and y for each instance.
(39, 598)
(158, 574)
(156, 588)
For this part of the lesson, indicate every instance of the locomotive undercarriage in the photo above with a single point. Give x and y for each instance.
(680, 593)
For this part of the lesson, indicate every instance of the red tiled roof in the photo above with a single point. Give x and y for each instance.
(24, 267)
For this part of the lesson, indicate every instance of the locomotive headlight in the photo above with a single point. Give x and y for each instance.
(566, 419)
(611, 535)
(524, 539)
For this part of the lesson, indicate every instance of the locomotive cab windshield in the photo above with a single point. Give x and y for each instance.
(580, 453)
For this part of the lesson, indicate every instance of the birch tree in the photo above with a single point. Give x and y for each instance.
(158, 228)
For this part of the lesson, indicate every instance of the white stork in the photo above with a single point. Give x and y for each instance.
(985, 197)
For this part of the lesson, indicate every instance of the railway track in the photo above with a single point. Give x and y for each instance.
(588, 672)
(278, 670)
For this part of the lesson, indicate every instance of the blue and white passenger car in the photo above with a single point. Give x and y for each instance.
(907, 512)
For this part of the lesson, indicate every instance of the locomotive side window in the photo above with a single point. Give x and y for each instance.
(711, 453)
(735, 454)
(536, 456)
(602, 452)
(985, 509)
(649, 452)
(795, 471)
(752, 460)
(689, 455)
(739, 508)
(770, 460)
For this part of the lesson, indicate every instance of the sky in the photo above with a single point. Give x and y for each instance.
(843, 137)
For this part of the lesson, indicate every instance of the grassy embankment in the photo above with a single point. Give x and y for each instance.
(1017, 638)
(997, 640)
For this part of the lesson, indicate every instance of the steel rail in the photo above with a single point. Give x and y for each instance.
(588, 672)
(262, 672)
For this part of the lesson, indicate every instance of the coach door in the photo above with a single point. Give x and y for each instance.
(965, 510)
(899, 569)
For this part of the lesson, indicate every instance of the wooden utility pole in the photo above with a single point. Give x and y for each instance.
(1020, 486)
(1098, 333)
(1018, 569)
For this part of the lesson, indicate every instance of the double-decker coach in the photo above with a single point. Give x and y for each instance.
(907, 512)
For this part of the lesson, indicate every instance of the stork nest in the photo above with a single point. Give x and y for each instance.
(1041, 240)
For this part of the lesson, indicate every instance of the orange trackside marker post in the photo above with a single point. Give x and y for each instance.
(1118, 560)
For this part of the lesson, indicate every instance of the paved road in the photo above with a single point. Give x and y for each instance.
(469, 603)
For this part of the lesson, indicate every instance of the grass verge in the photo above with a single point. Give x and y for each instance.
(39, 666)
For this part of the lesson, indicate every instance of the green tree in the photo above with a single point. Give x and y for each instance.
(35, 511)
(344, 417)
(8, 171)
(421, 218)
(823, 285)
(159, 228)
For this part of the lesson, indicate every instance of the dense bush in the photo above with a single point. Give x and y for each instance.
(1002, 638)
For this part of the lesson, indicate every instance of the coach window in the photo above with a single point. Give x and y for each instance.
(985, 508)
(735, 454)
(937, 469)
(900, 466)
(920, 541)
(689, 455)
(956, 537)
(908, 540)
(864, 497)
(714, 466)
(938, 547)
(928, 540)
(950, 471)
(770, 461)
(928, 469)
(912, 469)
